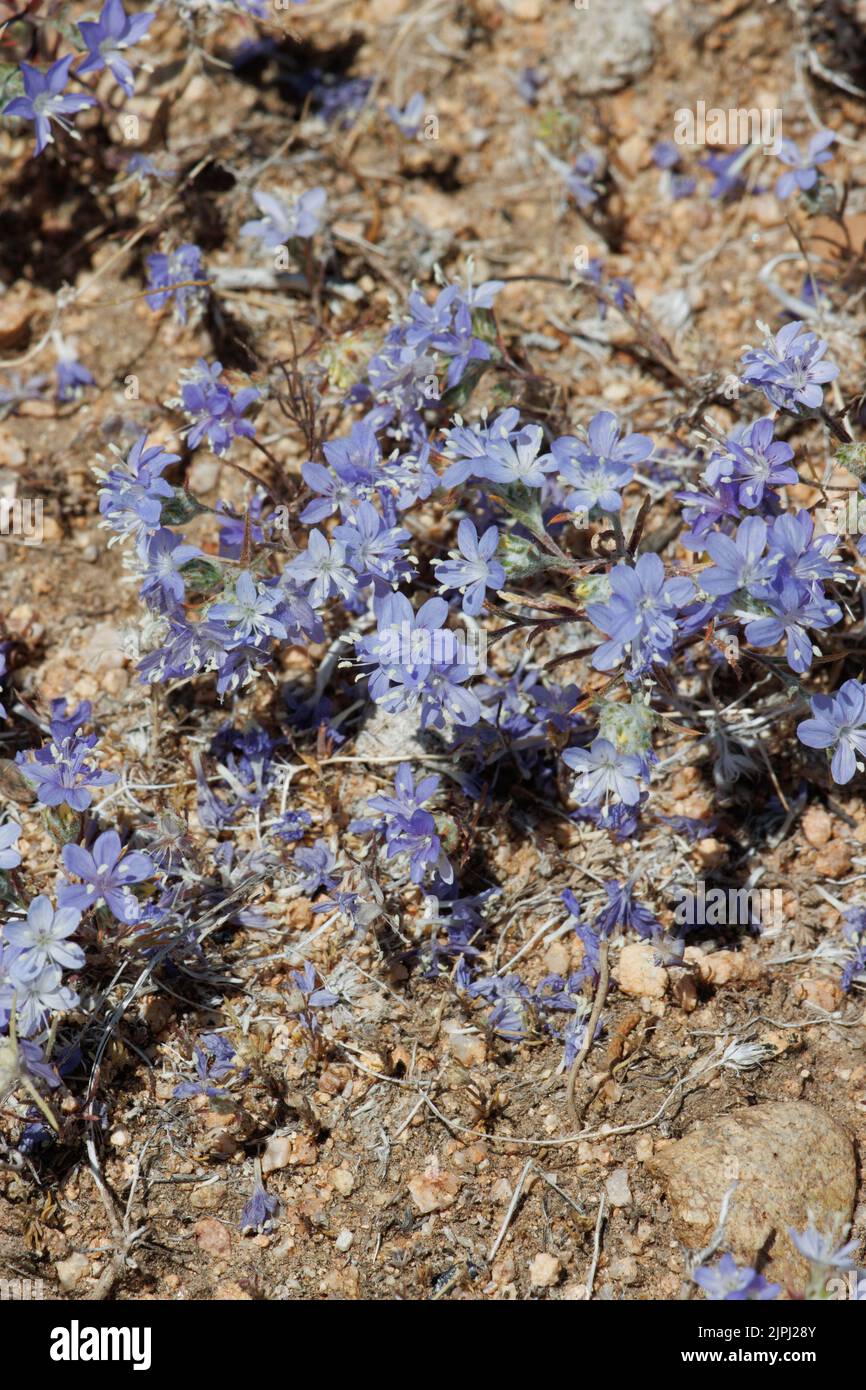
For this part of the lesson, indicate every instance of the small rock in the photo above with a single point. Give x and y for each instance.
(213, 1236)
(710, 852)
(637, 974)
(624, 1269)
(833, 860)
(16, 311)
(304, 1150)
(467, 1047)
(720, 967)
(526, 10)
(344, 1241)
(817, 826)
(557, 958)
(433, 1190)
(792, 1162)
(12, 453)
(278, 1153)
(70, 1272)
(209, 1197)
(544, 1271)
(602, 48)
(617, 1188)
(825, 993)
(342, 1180)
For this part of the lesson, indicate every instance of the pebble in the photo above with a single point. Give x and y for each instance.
(817, 826)
(603, 47)
(833, 860)
(277, 1154)
(544, 1271)
(12, 453)
(342, 1180)
(637, 974)
(213, 1236)
(70, 1272)
(822, 992)
(792, 1162)
(344, 1241)
(16, 311)
(433, 1190)
(468, 1048)
(617, 1188)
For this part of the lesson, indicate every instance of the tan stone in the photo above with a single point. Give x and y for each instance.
(212, 1236)
(544, 1271)
(637, 974)
(792, 1162)
(833, 860)
(817, 826)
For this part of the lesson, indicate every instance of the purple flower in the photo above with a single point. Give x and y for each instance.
(759, 462)
(323, 567)
(416, 837)
(408, 121)
(72, 375)
(823, 1248)
(471, 446)
(318, 865)
(730, 1282)
(665, 154)
(702, 511)
(34, 997)
(788, 369)
(727, 170)
(623, 911)
(373, 549)
(512, 1016)
(215, 413)
(251, 613)
(281, 223)
(798, 553)
(132, 495)
(313, 996)
(640, 617)
(803, 173)
(108, 35)
(419, 662)
(794, 608)
(42, 940)
(839, 722)
(407, 798)
(167, 271)
(216, 1067)
(260, 1211)
(603, 771)
(738, 561)
(854, 936)
(582, 180)
(61, 775)
(600, 468)
(517, 460)
(44, 101)
(350, 478)
(106, 876)
(163, 554)
(472, 568)
(529, 82)
(9, 856)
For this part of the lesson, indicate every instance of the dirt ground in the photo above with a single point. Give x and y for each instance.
(397, 1150)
